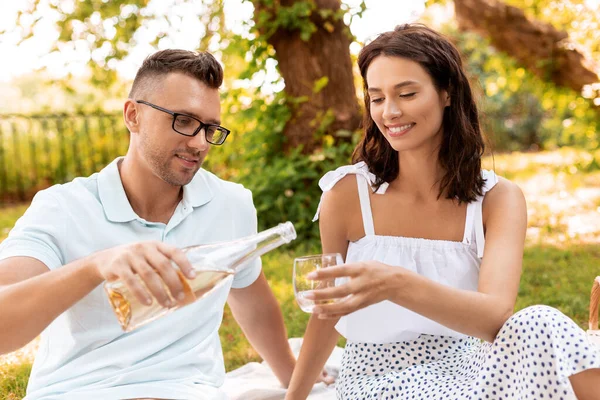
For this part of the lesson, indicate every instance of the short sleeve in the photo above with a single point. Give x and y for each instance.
(247, 225)
(39, 233)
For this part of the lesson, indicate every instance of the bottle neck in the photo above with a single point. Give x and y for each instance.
(266, 241)
(235, 254)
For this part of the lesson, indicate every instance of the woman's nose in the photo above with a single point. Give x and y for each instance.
(391, 111)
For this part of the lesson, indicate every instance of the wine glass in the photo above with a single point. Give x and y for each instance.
(304, 266)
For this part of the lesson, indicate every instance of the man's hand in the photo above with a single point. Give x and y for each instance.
(152, 262)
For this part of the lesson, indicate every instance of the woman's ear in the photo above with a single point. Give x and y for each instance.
(446, 97)
(131, 116)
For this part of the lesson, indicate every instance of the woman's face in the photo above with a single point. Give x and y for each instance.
(404, 103)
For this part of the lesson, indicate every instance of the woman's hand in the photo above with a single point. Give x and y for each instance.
(325, 378)
(370, 282)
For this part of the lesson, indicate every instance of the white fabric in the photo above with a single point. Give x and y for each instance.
(255, 381)
(531, 358)
(328, 181)
(450, 263)
(83, 353)
(365, 205)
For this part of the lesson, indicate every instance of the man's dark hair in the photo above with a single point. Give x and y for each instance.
(202, 66)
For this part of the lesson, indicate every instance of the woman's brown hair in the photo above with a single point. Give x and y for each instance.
(462, 142)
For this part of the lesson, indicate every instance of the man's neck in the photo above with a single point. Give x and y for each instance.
(150, 197)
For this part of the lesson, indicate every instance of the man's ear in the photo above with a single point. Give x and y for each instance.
(131, 116)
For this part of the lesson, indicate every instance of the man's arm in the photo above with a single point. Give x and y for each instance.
(258, 313)
(31, 296)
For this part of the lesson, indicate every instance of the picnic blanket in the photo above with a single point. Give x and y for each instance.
(256, 381)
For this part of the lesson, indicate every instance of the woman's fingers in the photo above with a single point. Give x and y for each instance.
(337, 292)
(339, 308)
(337, 271)
(326, 378)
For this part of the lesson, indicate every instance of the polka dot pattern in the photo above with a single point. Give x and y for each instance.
(532, 357)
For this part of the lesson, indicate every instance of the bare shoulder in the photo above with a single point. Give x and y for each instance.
(505, 196)
(345, 189)
(341, 207)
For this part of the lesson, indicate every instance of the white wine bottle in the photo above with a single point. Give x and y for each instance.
(214, 265)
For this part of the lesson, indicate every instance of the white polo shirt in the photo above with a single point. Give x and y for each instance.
(84, 354)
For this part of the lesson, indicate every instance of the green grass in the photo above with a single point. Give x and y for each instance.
(13, 380)
(560, 277)
(8, 217)
(278, 269)
(558, 274)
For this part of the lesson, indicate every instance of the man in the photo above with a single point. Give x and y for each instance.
(129, 219)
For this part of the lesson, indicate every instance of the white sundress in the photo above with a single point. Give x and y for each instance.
(394, 353)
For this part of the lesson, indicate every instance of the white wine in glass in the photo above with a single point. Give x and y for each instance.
(304, 266)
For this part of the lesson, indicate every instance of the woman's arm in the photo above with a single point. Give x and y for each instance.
(319, 341)
(321, 337)
(480, 314)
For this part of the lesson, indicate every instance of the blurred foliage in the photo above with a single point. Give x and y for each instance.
(37, 93)
(580, 18)
(284, 185)
(519, 111)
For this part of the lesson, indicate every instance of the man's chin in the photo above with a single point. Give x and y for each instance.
(180, 179)
(183, 176)
(186, 180)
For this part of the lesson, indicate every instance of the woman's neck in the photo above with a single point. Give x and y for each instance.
(420, 173)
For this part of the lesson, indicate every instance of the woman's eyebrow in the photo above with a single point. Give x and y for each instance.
(397, 86)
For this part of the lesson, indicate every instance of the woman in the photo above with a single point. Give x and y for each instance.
(434, 248)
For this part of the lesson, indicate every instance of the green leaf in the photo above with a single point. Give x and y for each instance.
(320, 84)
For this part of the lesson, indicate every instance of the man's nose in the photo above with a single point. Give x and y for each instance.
(199, 141)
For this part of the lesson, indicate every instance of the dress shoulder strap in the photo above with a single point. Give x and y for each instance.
(328, 181)
(365, 205)
(474, 220)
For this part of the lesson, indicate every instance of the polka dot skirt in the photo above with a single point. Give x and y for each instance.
(532, 357)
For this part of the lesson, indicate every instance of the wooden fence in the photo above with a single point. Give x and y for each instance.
(37, 151)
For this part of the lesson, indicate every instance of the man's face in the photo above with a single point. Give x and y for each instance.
(173, 157)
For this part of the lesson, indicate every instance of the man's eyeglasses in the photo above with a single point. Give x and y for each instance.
(187, 125)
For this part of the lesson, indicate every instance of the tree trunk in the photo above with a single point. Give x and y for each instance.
(303, 63)
(540, 47)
